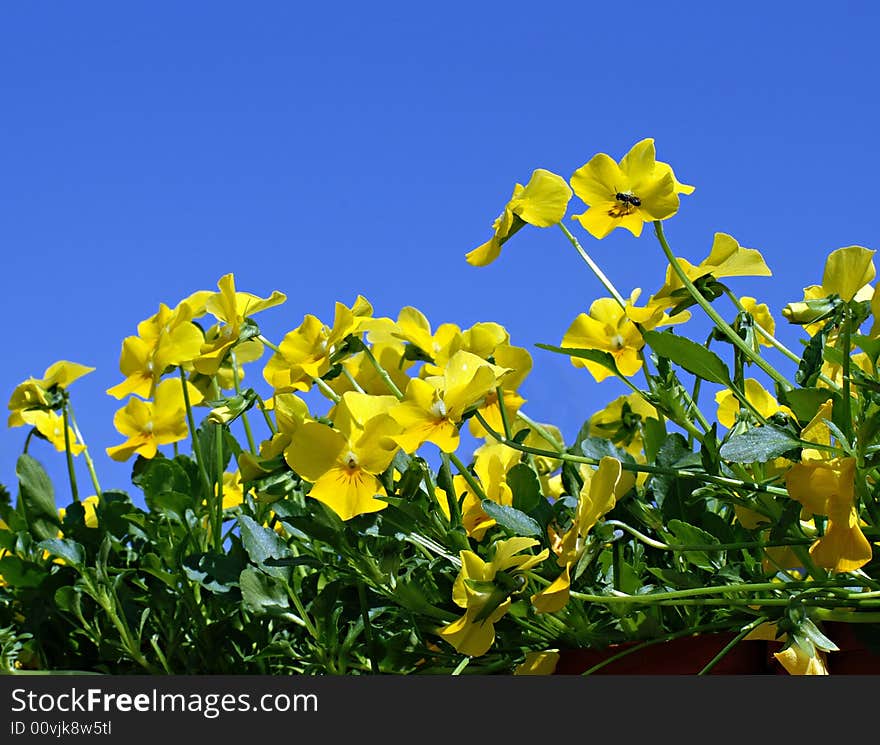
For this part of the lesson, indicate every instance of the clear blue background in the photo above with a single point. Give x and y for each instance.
(149, 148)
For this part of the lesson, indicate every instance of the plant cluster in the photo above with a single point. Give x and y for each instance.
(330, 524)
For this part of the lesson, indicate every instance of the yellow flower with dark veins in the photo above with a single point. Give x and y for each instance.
(149, 424)
(541, 202)
(639, 189)
(433, 408)
(37, 393)
(342, 462)
(483, 589)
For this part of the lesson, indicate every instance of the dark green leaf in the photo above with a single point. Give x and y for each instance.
(512, 519)
(216, 572)
(758, 445)
(693, 357)
(71, 551)
(686, 534)
(17, 572)
(805, 402)
(599, 447)
(605, 359)
(263, 543)
(526, 488)
(262, 594)
(37, 497)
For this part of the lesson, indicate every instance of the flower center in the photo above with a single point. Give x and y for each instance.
(438, 409)
(350, 460)
(617, 342)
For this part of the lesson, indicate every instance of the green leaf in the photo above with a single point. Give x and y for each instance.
(805, 402)
(599, 447)
(693, 357)
(71, 551)
(37, 497)
(208, 432)
(526, 488)
(17, 572)
(606, 359)
(686, 534)
(811, 362)
(758, 445)
(264, 543)
(157, 475)
(262, 594)
(512, 519)
(216, 572)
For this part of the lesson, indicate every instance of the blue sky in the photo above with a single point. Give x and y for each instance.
(148, 149)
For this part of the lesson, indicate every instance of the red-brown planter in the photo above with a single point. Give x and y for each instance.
(689, 655)
(685, 656)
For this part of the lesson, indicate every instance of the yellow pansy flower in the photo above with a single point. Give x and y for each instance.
(606, 328)
(37, 393)
(621, 422)
(826, 487)
(483, 589)
(165, 339)
(626, 194)
(847, 271)
(756, 395)
(492, 461)
(304, 353)
(230, 308)
(538, 663)
(343, 461)
(598, 495)
(149, 424)
(726, 259)
(51, 426)
(541, 202)
(433, 407)
(795, 659)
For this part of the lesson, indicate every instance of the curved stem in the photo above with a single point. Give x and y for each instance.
(731, 644)
(90, 464)
(70, 469)
(383, 373)
(600, 275)
(722, 325)
(244, 418)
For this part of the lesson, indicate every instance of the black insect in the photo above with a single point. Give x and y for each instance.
(628, 199)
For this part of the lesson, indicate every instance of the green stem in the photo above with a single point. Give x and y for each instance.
(218, 509)
(70, 469)
(847, 365)
(368, 628)
(90, 464)
(383, 373)
(197, 450)
(722, 325)
(699, 591)
(600, 275)
(542, 432)
(468, 477)
(269, 423)
(731, 644)
(244, 418)
(505, 423)
(350, 378)
(461, 666)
